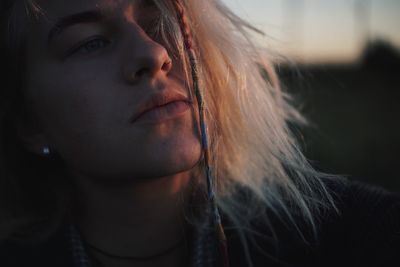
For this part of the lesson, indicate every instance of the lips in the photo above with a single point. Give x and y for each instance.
(162, 105)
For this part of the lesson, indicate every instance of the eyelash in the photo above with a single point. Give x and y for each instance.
(85, 45)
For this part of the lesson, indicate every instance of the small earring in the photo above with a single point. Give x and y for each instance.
(46, 151)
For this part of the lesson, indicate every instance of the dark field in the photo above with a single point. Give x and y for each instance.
(354, 112)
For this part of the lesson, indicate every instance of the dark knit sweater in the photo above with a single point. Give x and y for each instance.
(365, 233)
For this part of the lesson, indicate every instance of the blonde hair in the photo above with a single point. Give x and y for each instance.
(249, 116)
(258, 165)
(248, 113)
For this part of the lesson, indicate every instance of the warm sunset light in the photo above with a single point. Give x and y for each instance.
(322, 30)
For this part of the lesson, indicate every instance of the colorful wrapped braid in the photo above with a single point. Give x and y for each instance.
(216, 218)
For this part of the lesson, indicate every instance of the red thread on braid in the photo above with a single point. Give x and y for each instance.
(187, 37)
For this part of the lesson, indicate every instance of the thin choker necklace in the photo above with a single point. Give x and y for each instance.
(145, 258)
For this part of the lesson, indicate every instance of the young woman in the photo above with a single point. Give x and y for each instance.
(133, 132)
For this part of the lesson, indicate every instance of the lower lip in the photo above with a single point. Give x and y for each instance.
(163, 113)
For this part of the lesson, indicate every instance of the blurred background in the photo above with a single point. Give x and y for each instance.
(341, 61)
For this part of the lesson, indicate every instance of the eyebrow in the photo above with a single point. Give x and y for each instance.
(70, 20)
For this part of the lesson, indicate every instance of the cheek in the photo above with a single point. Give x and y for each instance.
(127, 151)
(60, 107)
(70, 110)
(87, 120)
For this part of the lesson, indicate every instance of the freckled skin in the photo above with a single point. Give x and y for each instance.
(84, 101)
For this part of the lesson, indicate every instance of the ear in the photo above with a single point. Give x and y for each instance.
(31, 136)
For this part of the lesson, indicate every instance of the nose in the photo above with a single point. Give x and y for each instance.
(146, 58)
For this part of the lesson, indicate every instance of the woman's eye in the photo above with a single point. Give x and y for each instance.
(91, 46)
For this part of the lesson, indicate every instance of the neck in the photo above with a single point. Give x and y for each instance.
(136, 219)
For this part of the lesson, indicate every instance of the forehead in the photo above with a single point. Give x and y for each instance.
(54, 9)
(51, 12)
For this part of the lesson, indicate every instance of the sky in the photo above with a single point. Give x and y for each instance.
(321, 30)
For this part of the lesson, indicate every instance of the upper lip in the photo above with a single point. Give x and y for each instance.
(158, 99)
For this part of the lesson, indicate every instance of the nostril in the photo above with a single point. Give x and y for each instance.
(167, 65)
(149, 65)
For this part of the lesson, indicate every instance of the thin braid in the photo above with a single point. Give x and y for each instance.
(216, 218)
(204, 248)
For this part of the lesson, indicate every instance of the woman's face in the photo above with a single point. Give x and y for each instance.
(107, 95)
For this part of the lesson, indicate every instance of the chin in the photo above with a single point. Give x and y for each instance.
(177, 149)
(177, 159)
